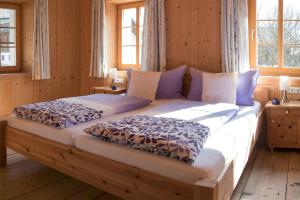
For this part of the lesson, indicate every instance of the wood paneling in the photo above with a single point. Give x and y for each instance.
(15, 90)
(193, 37)
(64, 26)
(111, 11)
(194, 34)
(271, 85)
(27, 36)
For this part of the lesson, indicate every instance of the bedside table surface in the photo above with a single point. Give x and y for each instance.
(291, 104)
(107, 88)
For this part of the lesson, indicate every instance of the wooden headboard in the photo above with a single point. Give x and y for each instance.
(264, 91)
(261, 94)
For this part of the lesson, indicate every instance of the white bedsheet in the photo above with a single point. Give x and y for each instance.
(228, 143)
(66, 136)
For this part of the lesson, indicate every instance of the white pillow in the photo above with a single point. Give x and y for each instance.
(219, 87)
(143, 84)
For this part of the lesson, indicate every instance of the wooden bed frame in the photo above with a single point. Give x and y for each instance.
(115, 177)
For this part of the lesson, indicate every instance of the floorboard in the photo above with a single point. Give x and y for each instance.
(293, 185)
(267, 176)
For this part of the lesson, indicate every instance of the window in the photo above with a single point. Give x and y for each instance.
(9, 37)
(275, 36)
(130, 32)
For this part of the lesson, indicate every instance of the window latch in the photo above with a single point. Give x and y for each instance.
(252, 34)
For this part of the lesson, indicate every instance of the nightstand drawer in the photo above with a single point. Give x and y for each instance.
(284, 131)
(283, 128)
(285, 112)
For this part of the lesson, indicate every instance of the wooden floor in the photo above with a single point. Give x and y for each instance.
(271, 175)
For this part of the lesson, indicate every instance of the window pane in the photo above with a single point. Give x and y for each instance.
(267, 9)
(129, 55)
(267, 55)
(128, 36)
(8, 57)
(142, 10)
(291, 9)
(291, 32)
(7, 35)
(267, 32)
(292, 56)
(129, 17)
(7, 17)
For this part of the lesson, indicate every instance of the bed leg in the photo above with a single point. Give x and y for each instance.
(205, 190)
(2, 143)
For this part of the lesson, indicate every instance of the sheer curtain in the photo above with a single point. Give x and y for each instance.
(154, 36)
(235, 47)
(99, 63)
(41, 57)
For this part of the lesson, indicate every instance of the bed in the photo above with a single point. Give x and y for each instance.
(131, 174)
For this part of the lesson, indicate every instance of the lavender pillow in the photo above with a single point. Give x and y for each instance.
(195, 93)
(244, 94)
(246, 86)
(170, 84)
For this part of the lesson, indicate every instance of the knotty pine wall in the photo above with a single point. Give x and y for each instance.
(194, 34)
(85, 46)
(193, 37)
(64, 25)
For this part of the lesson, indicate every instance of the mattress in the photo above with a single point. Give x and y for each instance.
(225, 144)
(231, 142)
(67, 135)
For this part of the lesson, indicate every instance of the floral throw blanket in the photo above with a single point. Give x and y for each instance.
(58, 114)
(177, 139)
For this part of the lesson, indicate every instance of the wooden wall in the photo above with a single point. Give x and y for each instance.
(194, 34)
(111, 11)
(64, 25)
(193, 38)
(15, 90)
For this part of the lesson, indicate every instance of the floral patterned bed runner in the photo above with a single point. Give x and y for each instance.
(58, 114)
(177, 139)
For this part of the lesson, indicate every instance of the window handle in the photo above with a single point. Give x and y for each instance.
(252, 34)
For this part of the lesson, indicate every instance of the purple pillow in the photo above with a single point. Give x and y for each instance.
(170, 84)
(246, 86)
(195, 93)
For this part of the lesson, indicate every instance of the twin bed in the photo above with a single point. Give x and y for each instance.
(133, 174)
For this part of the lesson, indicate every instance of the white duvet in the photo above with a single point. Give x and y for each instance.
(222, 147)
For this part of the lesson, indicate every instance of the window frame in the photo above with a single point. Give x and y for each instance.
(268, 70)
(16, 68)
(121, 7)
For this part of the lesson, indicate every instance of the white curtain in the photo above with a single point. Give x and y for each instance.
(154, 36)
(99, 63)
(41, 57)
(235, 47)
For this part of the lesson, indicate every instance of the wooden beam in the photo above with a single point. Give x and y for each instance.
(3, 124)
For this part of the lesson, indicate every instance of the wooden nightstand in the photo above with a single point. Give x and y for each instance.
(108, 90)
(283, 125)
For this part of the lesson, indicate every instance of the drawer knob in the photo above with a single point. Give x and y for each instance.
(282, 137)
(290, 126)
(287, 112)
(273, 121)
